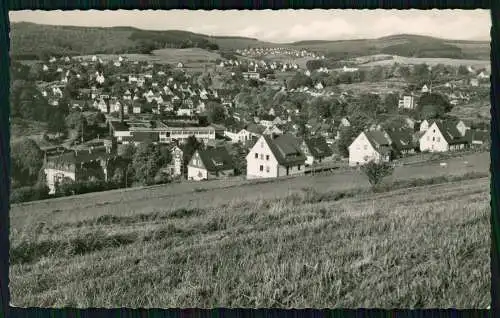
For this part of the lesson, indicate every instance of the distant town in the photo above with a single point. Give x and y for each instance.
(112, 121)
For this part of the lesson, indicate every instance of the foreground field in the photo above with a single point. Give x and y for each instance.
(283, 246)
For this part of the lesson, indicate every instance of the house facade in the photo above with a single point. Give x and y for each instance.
(273, 158)
(407, 102)
(369, 146)
(209, 164)
(441, 137)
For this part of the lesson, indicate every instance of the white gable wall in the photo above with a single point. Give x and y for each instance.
(361, 151)
(265, 160)
(433, 140)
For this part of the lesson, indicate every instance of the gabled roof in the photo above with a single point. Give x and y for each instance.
(377, 139)
(402, 139)
(450, 133)
(318, 147)
(286, 149)
(216, 159)
(81, 156)
(256, 129)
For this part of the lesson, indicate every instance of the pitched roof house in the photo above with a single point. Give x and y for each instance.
(272, 158)
(210, 163)
(442, 136)
(402, 141)
(369, 146)
(316, 150)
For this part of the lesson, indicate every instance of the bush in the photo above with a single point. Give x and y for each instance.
(26, 194)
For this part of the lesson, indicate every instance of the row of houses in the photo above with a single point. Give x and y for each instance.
(433, 136)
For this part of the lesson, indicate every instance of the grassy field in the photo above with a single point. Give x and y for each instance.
(384, 87)
(431, 61)
(300, 61)
(193, 58)
(474, 111)
(301, 242)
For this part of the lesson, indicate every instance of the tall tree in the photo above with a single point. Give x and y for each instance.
(26, 160)
(146, 163)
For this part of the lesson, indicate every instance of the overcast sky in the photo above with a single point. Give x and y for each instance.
(283, 25)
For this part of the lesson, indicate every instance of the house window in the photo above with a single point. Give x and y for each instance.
(261, 157)
(261, 168)
(298, 167)
(433, 138)
(262, 145)
(434, 130)
(256, 156)
(365, 147)
(438, 139)
(267, 169)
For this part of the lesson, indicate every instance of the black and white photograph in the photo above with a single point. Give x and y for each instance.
(250, 159)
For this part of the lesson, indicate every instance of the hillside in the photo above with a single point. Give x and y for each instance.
(70, 40)
(291, 248)
(404, 45)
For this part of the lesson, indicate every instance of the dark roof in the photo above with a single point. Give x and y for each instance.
(144, 136)
(216, 159)
(318, 147)
(267, 117)
(450, 133)
(286, 149)
(377, 139)
(80, 156)
(119, 126)
(402, 139)
(477, 135)
(256, 129)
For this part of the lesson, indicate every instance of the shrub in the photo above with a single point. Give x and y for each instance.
(26, 194)
(377, 171)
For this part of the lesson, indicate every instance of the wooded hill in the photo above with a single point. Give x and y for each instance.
(34, 41)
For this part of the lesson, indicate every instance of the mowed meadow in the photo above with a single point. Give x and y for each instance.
(313, 241)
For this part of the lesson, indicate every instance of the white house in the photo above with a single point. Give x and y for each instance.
(425, 89)
(483, 75)
(474, 82)
(273, 131)
(100, 78)
(273, 158)
(103, 107)
(441, 137)
(346, 69)
(369, 146)
(407, 102)
(344, 122)
(137, 109)
(184, 112)
(211, 163)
